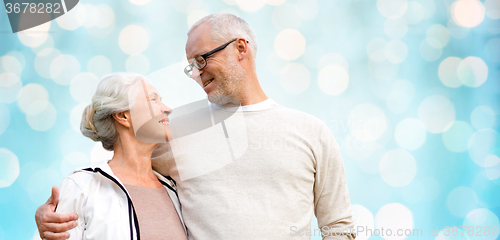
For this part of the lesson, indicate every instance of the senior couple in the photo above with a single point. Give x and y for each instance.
(269, 191)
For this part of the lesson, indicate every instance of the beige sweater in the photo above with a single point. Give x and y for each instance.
(291, 169)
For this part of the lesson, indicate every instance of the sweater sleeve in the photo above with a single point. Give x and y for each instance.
(71, 200)
(332, 206)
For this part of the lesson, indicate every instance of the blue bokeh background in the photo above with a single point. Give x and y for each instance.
(409, 88)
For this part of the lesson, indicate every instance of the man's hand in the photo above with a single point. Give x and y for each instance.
(52, 225)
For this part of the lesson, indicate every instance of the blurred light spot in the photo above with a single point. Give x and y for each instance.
(312, 55)
(484, 219)
(483, 117)
(295, 78)
(289, 44)
(251, 6)
(482, 143)
(364, 220)
(72, 19)
(10, 85)
(33, 99)
(439, 33)
(74, 161)
(333, 79)
(375, 49)
(392, 8)
(398, 168)
(83, 87)
(307, 9)
(394, 216)
(99, 20)
(333, 58)
(272, 2)
(44, 120)
(467, 13)
(437, 113)
(39, 191)
(492, 172)
(182, 5)
(429, 6)
(43, 61)
(285, 16)
(396, 51)
(461, 201)
(367, 122)
(428, 49)
(5, 118)
(355, 148)
(98, 153)
(75, 116)
(133, 40)
(140, 2)
(376, 151)
(64, 68)
(105, 14)
(492, 8)
(492, 49)
(472, 72)
(10, 64)
(456, 31)
(74, 141)
(414, 192)
(99, 66)
(9, 167)
(410, 134)
(195, 15)
(35, 36)
(448, 72)
(399, 98)
(415, 12)
(395, 28)
(382, 69)
(456, 138)
(138, 64)
(275, 64)
(19, 56)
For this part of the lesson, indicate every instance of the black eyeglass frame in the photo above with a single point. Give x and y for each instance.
(189, 68)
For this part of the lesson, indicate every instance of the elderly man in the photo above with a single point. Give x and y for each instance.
(292, 166)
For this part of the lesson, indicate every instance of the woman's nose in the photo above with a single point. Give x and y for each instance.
(165, 109)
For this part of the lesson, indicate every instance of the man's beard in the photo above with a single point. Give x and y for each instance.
(228, 85)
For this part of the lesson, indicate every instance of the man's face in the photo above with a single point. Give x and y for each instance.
(222, 77)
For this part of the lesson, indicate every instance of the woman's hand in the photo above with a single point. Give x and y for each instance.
(52, 225)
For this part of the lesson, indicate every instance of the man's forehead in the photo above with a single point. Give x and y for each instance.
(199, 40)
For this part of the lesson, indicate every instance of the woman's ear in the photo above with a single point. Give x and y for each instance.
(123, 118)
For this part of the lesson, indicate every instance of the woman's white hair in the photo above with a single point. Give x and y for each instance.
(111, 96)
(226, 26)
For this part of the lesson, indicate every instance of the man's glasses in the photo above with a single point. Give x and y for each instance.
(200, 61)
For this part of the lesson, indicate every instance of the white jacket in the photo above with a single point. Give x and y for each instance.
(103, 205)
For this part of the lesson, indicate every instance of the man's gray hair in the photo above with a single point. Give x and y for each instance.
(226, 26)
(111, 96)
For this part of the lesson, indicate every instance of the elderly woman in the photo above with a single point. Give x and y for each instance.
(123, 198)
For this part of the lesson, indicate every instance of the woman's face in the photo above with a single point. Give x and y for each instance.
(148, 113)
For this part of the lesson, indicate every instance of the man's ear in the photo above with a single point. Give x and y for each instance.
(243, 49)
(123, 118)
